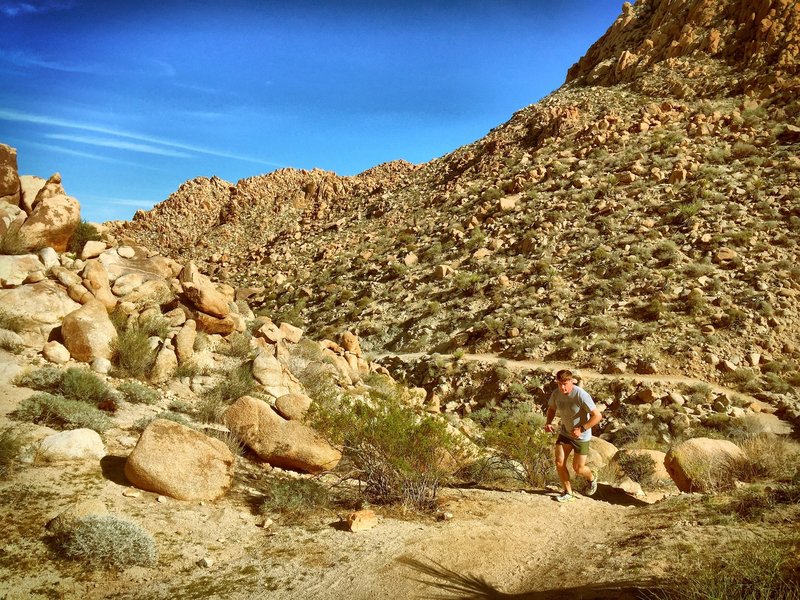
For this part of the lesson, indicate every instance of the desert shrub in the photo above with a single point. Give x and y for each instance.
(61, 413)
(237, 345)
(133, 352)
(765, 570)
(743, 150)
(768, 456)
(639, 467)
(399, 456)
(81, 384)
(11, 322)
(83, 233)
(234, 444)
(108, 541)
(46, 379)
(154, 325)
(10, 444)
(755, 501)
(13, 242)
(136, 393)
(169, 415)
(294, 499)
(516, 435)
(74, 383)
(215, 401)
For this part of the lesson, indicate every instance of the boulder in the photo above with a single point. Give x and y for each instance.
(95, 279)
(51, 223)
(11, 219)
(155, 267)
(703, 464)
(9, 177)
(39, 307)
(293, 406)
(361, 520)
(208, 324)
(92, 249)
(274, 376)
(291, 333)
(177, 461)
(601, 452)
(206, 299)
(14, 270)
(55, 352)
(76, 444)
(184, 341)
(350, 343)
(165, 365)
(30, 186)
(88, 332)
(282, 443)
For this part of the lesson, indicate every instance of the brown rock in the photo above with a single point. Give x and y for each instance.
(350, 343)
(184, 341)
(88, 332)
(206, 299)
(177, 461)
(95, 279)
(51, 223)
(208, 324)
(291, 333)
(282, 443)
(361, 520)
(9, 177)
(293, 406)
(703, 464)
(40, 308)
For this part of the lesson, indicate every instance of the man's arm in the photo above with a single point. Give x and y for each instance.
(595, 416)
(551, 414)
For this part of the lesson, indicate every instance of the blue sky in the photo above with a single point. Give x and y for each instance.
(127, 100)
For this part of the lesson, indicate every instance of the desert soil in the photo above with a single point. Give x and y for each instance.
(495, 544)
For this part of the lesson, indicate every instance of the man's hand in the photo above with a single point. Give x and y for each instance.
(549, 428)
(576, 432)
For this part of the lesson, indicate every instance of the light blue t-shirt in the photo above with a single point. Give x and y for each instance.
(574, 409)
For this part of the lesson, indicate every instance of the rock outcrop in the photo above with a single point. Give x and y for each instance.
(177, 461)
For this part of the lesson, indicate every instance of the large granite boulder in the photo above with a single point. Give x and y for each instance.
(177, 461)
(704, 464)
(9, 177)
(282, 443)
(51, 223)
(89, 333)
(39, 308)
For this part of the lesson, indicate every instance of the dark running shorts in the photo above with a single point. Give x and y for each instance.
(581, 447)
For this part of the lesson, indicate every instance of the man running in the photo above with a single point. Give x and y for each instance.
(578, 415)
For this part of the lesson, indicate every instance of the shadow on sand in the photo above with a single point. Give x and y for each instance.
(447, 584)
(113, 468)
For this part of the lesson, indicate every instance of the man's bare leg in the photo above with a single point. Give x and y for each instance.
(580, 468)
(561, 456)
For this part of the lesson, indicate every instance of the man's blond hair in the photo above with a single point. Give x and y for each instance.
(564, 375)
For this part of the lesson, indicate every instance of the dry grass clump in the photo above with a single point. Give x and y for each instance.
(136, 393)
(295, 499)
(75, 384)
(10, 445)
(61, 413)
(770, 457)
(108, 541)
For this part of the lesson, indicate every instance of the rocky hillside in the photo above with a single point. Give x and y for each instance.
(644, 217)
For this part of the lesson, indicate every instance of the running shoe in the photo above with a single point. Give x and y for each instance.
(565, 497)
(592, 486)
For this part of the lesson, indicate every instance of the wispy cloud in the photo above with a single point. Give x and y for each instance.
(20, 117)
(28, 60)
(71, 152)
(16, 9)
(118, 144)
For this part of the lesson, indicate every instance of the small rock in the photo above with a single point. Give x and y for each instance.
(162, 499)
(361, 520)
(205, 562)
(129, 493)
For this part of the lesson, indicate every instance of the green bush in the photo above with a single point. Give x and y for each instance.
(83, 233)
(108, 541)
(61, 413)
(10, 444)
(639, 467)
(765, 570)
(75, 384)
(294, 499)
(136, 393)
(81, 384)
(133, 352)
(237, 345)
(401, 457)
(46, 379)
(517, 437)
